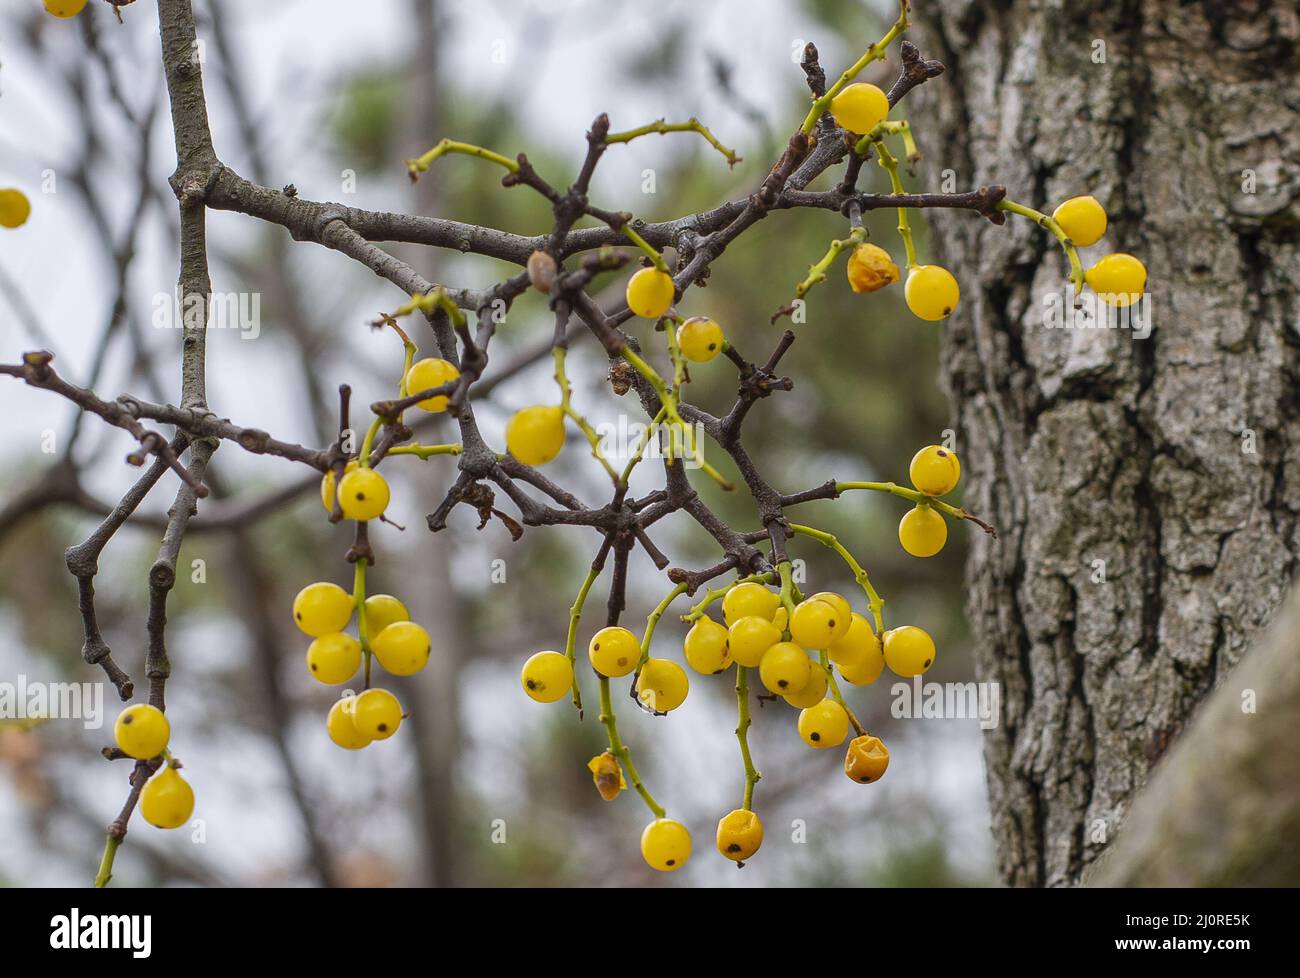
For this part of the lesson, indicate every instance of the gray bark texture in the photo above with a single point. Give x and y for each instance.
(1223, 806)
(1171, 459)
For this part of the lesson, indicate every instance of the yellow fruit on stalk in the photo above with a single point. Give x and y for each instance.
(167, 801)
(363, 494)
(1083, 220)
(65, 8)
(931, 292)
(922, 532)
(870, 268)
(327, 485)
(535, 434)
(740, 833)
(547, 677)
(935, 470)
(866, 759)
(909, 650)
(860, 107)
(650, 293)
(429, 374)
(1119, 280)
(662, 685)
(341, 728)
(666, 845)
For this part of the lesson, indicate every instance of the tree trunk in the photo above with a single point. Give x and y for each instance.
(1146, 490)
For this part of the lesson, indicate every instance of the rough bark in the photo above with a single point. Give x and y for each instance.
(1091, 445)
(1223, 807)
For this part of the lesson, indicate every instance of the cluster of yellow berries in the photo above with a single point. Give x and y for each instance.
(931, 291)
(322, 610)
(758, 631)
(143, 732)
(934, 471)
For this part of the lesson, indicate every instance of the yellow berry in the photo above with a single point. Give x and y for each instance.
(785, 669)
(706, 647)
(662, 685)
(748, 599)
(547, 676)
(15, 208)
(909, 651)
(614, 651)
(750, 637)
(824, 725)
(167, 801)
(65, 8)
(402, 648)
(650, 293)
(813, 693)
(870, 268)
(342, 727)
(607, 775)
(740, 833)
(535, 434)
(334, 658)
(866, 759)
(922, 532)
(859, 655)
(856, 643)
(142, 731)
(327, 485)
(377, 714)
(1119, 279)
(815, 624)
(860, 108)
(840, 603)
(363, 495)
(665, 845)
(426, 375)
(322, 608)
(700, 339)
(1083, 219)
(935, 470)
(382, 610)
(931, 292)
(781, 619)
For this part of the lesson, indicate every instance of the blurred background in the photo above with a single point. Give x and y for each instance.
(331, 97)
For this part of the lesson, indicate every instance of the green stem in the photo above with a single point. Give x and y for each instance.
(570, 643)
(105, 873)
(817, 272)
(421, 163)
(700, 608)
(639, 453)
(920, 498)
(566, 394)
(652, 622)
(660, 126)
(836, 695)
(426, 451)
(363, 459)
(359, 600)
(1046, 221)
(890, 165)
(619, 749)
(646, 247)
(829, 540)
(742, 734)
